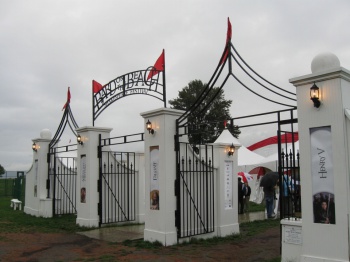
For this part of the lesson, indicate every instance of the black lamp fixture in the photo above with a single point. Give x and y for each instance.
(35, 147)
(149, 127)
(231, 150)
(315, 95)
(80, 140)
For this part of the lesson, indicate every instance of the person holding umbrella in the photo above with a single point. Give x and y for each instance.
(269, 183)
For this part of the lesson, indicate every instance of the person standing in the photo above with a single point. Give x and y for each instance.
(269, 192)
(240, 196)
(288, 190)
(247, 197)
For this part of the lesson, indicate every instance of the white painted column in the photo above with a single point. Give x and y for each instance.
(88, 175)
(160, 174)
(323, 242)
(37, 203)
(226, 190)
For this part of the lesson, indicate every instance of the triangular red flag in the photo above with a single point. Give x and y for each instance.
(158, 66)
(68, 99)
(228, 39)
(96, 86)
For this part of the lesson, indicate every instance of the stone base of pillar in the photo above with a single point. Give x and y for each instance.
(31, 211)
(45, 207)
(226, 230)
(319, 259)
(167, 239)
(291, 240)
(87, 222)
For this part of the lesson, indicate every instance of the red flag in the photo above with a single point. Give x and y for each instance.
(158, 66)
(68, 99)
(228, 39)
(96, 86)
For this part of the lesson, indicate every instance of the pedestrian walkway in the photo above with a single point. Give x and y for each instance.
(133, 232)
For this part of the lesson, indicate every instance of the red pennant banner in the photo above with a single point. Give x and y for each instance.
(158, 66)
(96, 86)
(68, 99)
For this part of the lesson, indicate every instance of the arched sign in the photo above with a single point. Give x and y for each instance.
(144, 82)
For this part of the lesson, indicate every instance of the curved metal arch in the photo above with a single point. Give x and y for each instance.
(132, 83)
(269, 89)
(207, 89)
(217, 72)
(66, 118)
(234, 49)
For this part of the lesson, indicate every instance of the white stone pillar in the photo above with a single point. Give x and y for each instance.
(160, 156)
(88, 175)
(226, 190)
(37, 203)
(323, 242)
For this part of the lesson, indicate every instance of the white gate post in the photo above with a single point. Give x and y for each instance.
(324, 165)
(37, 203)
(160, 174)
(88, 175)
(226, 193)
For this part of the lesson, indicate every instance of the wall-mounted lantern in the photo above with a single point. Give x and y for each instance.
(35, 147)
(315, 95)
(231, 150)
(80, 140)
(149, 127)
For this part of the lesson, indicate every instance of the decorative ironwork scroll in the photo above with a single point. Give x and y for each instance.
(133, 83)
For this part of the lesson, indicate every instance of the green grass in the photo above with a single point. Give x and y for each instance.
(253, 207)
(16, 221)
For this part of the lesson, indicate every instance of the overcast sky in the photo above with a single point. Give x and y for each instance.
(47, 46)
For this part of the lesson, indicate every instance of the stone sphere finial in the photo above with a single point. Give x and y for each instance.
(323, 62)
(45, 134)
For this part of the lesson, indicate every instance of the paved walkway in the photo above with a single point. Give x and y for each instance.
(133, 232)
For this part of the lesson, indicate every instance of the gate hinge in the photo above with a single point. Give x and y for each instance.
(176, 187)
(176, 219)
(99, 151)
(98, 185)
(99, 209)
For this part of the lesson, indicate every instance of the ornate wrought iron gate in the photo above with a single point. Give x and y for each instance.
(62, 170)
(195, 190)
(62, 180)
(117, 181)
(288, 168)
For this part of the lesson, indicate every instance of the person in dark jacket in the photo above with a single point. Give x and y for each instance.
(247, 196)
(240, 196)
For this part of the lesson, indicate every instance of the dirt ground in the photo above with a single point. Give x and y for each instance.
(75, 247)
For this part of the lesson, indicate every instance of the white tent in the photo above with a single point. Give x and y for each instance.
(245, 156)
(247, 160)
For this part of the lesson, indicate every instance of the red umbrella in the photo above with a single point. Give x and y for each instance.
(245, 177)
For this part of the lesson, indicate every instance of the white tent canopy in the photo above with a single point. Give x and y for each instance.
(245, 156)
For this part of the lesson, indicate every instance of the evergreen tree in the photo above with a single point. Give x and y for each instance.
(206, 126)
(2, 170)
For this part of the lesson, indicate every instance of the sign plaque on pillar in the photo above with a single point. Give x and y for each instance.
(322, 175)
(228, 184)
(154, 183)
(83, 179)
